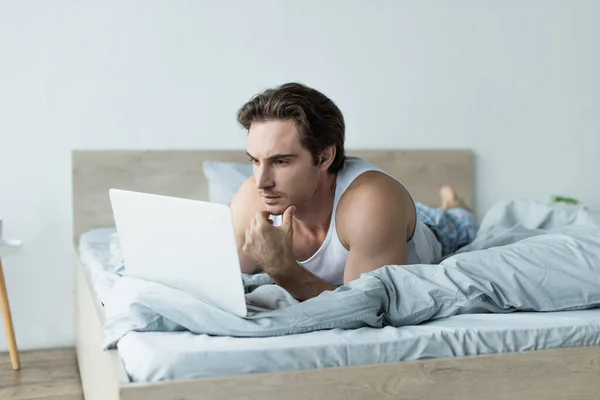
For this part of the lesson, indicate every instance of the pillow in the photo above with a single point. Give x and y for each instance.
(224, 179)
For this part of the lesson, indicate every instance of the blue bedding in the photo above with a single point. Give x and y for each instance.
(522, 285)
(549, 261)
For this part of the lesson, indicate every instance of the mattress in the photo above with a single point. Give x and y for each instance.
(156, 356)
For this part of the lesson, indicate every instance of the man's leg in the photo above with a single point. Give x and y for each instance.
(453, 223)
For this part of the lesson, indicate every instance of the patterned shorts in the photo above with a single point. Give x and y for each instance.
(453, 228)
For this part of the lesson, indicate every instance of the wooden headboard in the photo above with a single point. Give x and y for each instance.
(179, 173)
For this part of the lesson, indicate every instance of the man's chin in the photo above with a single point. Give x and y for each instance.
(275, 209)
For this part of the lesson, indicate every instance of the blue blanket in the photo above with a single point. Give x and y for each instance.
(527, 256)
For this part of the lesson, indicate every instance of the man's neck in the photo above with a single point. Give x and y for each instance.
(315, 215)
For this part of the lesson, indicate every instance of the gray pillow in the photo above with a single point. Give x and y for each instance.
(224, 179)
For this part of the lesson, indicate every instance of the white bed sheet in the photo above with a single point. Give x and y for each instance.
(155, 356)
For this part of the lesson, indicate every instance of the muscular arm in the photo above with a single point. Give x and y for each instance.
(300, 283)
(374, 221)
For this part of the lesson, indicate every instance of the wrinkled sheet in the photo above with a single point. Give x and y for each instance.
(527, 257)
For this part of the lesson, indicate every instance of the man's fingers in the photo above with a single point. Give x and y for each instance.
(262, 215)
(246, 241)
(262, 218)
(288, 215)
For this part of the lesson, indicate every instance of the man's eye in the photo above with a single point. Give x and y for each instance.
(280, 162)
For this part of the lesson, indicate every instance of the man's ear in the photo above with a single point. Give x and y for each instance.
(327, 157)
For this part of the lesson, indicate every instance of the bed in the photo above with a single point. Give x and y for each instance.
(568, 371)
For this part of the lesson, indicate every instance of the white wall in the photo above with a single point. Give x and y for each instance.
(516, 81)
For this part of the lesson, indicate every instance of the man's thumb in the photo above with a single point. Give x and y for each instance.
(287, 217)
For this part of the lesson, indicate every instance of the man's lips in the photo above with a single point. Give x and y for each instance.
(270, 199)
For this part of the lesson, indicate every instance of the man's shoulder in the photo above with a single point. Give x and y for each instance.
(373, 198)
(373, 186)
(247, 199)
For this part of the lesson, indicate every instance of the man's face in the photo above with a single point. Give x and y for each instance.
(284, 171)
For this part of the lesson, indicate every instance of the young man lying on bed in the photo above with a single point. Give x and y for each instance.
(312, 218)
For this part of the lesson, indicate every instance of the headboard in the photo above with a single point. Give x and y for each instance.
(179, 173)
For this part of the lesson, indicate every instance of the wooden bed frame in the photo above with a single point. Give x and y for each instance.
(547, 374)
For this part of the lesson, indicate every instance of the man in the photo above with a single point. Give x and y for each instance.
(314, 219)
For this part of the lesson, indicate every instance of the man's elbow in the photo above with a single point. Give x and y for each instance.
(248, 266)
(248, 270)
(352, 275)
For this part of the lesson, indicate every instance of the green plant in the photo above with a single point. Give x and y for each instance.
(564, 199)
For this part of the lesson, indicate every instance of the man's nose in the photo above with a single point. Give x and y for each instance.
(263, 177)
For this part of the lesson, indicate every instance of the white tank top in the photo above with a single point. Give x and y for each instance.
(329, 261)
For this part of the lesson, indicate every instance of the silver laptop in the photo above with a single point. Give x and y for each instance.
(181, 243)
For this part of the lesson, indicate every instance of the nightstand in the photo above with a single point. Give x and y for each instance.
(8, 247)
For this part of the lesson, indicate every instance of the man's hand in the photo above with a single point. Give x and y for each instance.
(270, 246)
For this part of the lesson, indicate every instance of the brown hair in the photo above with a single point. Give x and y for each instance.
(320, 122)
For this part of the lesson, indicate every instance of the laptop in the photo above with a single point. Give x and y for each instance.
(181, 243)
